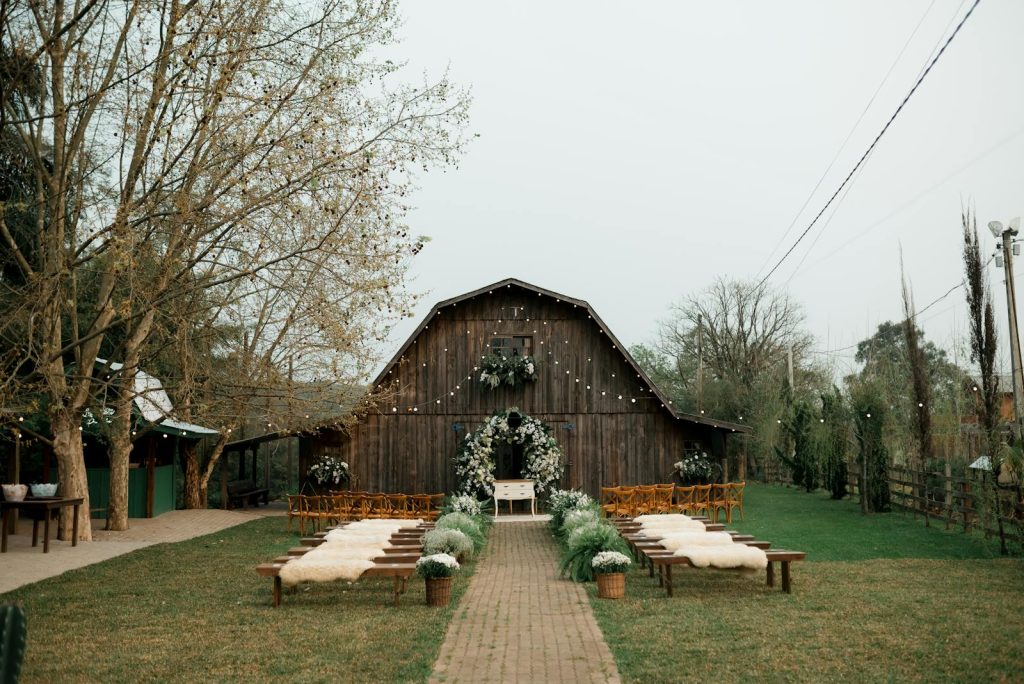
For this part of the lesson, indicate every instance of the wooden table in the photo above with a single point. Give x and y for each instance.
(45, 505)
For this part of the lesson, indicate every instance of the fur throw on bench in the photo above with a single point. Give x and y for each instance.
(665, 526)
(653, 517)
(724, 556)
(678, 540)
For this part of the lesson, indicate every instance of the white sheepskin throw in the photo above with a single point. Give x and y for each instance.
(661, 516)
(400, 522)
(725, 556)
(681, 539)
(381, 537)
(669, 525)
(327, 567)
(341, 549)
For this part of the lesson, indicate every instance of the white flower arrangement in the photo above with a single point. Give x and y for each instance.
(512, 370)
(695, 464)
(437, 565)
(474, 464)
(452, 542)
(464, 503)
(610, 561)
(329, 470)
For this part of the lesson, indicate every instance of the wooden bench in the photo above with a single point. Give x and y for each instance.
(784, 558)
(246, 491)
(383, 567)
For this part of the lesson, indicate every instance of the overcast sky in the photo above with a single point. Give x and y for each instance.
(629, 153)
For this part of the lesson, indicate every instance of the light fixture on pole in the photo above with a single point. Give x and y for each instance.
(1006, 235)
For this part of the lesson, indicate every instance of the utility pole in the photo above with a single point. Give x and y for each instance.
(789, 365)
(1007, 236)
(700, 365)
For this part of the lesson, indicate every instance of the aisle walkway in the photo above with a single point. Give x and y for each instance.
(519, 622)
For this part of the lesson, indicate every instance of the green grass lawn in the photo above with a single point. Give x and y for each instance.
(879, 598)
(197, 611)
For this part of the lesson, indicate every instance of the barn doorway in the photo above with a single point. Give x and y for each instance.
(509, 462)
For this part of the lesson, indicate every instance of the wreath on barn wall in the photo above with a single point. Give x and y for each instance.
(474, 462)
(512, 371)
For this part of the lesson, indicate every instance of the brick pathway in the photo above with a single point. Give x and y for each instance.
(519, 621)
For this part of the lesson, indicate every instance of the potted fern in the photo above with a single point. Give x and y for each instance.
(610, 568)
(437, 570)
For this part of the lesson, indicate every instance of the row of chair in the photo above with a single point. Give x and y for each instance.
(318, 512)
(708, 500)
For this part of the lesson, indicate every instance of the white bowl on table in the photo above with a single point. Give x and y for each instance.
(44, 489)
(14, 492)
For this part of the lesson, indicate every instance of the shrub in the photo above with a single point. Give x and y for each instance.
(466, 524)
(586, 542)
(464, 503)
(562, 501)
(450, 541)
(437, 565)
(577, 517)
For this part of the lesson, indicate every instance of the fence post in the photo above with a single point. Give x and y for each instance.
(963, 504)
(925, 504)
(948, 487)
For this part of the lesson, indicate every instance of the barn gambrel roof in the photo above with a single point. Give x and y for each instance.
(666, 403)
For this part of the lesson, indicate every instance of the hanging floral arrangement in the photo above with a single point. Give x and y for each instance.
(474, 462)
(512, 370)
(329, 470)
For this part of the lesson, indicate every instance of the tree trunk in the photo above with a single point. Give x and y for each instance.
(195, 489)
(67, 446)
(118, 452)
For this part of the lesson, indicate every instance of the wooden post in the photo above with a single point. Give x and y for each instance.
(241, 463)
(948, 487)
(266, 468)
(150, 477)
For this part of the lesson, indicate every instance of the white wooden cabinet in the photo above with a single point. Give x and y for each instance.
(514, 490)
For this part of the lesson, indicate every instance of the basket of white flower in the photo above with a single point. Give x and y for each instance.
(610, 568)
(437, 570)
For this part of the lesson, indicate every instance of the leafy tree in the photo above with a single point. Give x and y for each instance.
(869, 416)
(832, 440)
(803, 463)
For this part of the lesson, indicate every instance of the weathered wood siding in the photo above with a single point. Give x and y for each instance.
(615, 432)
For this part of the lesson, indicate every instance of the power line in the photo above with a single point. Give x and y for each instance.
(874, 143)
(848, 136)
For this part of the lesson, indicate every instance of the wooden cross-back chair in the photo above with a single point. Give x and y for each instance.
(663, 498)
(685, 499)
(625, 502)
(294, 509)
(645, 500)
(608, 500)
(733, 499)
(701, 499)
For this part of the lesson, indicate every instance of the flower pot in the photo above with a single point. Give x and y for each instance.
(611, 585)
(439, 590)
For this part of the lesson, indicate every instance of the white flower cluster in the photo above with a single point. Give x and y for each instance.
(329, 470)
(610, 561)
(474, 465)
(464, 503)
(568, 499)
(694, 464)
(437, 565)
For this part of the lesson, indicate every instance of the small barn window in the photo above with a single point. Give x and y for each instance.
(519, 345)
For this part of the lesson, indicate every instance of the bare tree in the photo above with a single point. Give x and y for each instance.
(185, 146)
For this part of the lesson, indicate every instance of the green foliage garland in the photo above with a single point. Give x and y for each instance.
(512, 371)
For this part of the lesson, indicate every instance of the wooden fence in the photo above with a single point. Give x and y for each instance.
(937, 496)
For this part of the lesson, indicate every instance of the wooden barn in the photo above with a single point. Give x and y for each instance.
(611, 422)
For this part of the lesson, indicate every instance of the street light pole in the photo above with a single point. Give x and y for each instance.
(1007, 236)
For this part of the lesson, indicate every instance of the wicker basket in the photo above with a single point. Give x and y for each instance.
(611, 585)
(439, 591)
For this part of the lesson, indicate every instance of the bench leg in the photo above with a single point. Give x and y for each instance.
(786, 584)
(35, 532)
(668, 579)
(771, 574)
(399, 588)
(277, 591)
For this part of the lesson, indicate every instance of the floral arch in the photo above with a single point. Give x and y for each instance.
(474, 462)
